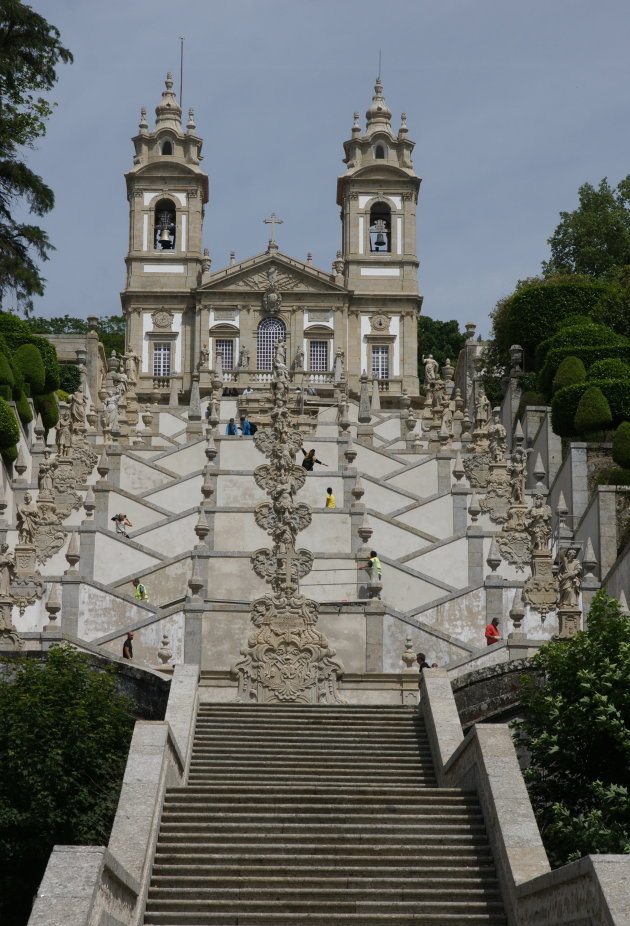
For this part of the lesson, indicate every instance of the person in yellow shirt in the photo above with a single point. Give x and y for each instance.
(331, 501)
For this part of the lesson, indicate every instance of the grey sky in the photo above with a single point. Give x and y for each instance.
(512, 106)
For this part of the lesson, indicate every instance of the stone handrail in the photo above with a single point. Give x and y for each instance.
(89, 885)
(486, 762)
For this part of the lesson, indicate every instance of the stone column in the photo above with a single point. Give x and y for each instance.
(374, 616)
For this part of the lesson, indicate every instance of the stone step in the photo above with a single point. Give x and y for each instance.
(279, 817)
(322, 807)
(328, 895)
(464, 878)
(207, 907)
(471, 863)
(200, 845)
(324, 792)
(219, 744)
(212, 828)
(157, 918)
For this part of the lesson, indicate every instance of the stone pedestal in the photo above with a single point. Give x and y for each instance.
(9, 637)
(569, 620)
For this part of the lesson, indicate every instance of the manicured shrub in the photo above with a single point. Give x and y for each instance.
(9, 454)
(575, 336)
(46, 406)
(612, 368)
(51, 364)
(30, 362)
(572, 320)
(570, 372)
(6, 373)
(593, 412)
(69, 378)
(587, 354)
(613, 309)
(613, 476)
(9, 429)
(621, 445)
(23, 408)
(6, 393)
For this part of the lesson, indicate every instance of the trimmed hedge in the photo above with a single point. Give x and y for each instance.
(46, 406)
(9, 428)
(14, 332)
(608, 369)
(69, 378)
(530, 398)
(613, 476)
(570, 372)
(9, 454)
(30, 362)
(587, 354)
(576, 336)
(6, 393)
(23, 408)
(565, 402)
(6, 373)
(621, 445)
(593, 412)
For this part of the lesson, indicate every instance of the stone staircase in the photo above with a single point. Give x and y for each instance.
(319, 815)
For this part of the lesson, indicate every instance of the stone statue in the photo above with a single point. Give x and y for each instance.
(482, 411)
(45, 476)
(243, 358)
(439, 393)
(63, 437)
(516, 469)
(110, 411)
(431, 369)
(447, 421)
(7, 568)
(132, 365)
(569, 579)
(340, 359)
(281, 353)
(299, 358)
(272, 299)
(122, 384)
(204, 357)
(28, 518)
(497, 437)
(78, 407)
(539, 525)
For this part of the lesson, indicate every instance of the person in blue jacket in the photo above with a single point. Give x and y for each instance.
(231, 429)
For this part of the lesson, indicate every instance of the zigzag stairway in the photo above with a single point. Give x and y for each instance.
(319, 815)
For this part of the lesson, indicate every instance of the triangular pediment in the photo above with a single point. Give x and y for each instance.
(255, 275)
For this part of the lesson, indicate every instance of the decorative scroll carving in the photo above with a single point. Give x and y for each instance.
(285, 281)
(162, 319)
(477, 469)
(286, 658)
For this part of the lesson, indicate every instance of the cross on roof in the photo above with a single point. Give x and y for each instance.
(273, 221)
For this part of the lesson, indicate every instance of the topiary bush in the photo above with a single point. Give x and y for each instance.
(9, 428)
(23, 408)
(9, 454)
(530, 398)
(613, 308)
(575, 336)
(612, 476)
(587, 354)
(46, 406)
(621, 445)
(565, 402)
(6, 373)
(612, 368)
(6, 393)
(29, 360)
(69, 378)
(570, 372)
(593, 412)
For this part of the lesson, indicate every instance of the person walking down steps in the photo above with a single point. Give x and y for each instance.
(310, 459)
(121, 523)
(128, 646)
(373, 567)
(331, 501)
(141, 590)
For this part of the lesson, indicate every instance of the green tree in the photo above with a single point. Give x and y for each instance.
(64, 740)
(30, 51)
(570, 371)
(577, 731)
(595, 238)
(593, 412)
(110, 329)
(621, 445)
(442, 339)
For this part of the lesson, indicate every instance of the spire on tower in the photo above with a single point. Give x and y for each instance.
(168, 112)
(378, 115)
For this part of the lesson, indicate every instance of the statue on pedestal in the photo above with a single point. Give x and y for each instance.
(28, 518)
(569, 579)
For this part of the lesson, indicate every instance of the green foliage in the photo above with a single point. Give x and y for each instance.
(608, 369)
(69, 378)
(9, 454)
(30, 51)
(6, 372)
(565, 402)
(589, 343)
(536, 309)
(23, 408)
(612, 476)
(64, 324)
(442, 339)
(51, 364)
(613, 309)
(570, 371)
(14, 332)
(594, 239)
(64, 741)
(568, 336)
(9, 429)
(46, 406)
(110, 329)
(577, 731)
(593, 412)
(621, 445)
(530, 398)
(6, 392)
(29, 360)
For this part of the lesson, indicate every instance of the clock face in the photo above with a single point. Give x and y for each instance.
(380, 323)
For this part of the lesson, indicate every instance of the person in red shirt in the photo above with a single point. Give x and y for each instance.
(492, 632)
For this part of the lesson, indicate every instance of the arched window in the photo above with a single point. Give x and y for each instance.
(379, 152)
(167, 148)
(270, 331)
(165, 225)
(380, 228)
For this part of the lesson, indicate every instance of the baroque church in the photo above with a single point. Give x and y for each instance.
(183, 318)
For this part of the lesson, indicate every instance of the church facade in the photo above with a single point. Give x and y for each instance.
(186, 322)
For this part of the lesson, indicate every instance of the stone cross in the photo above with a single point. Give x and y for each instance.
(273, 221)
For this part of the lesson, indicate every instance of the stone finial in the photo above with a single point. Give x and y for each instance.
(232, 258)
(589, 560)
(191, 125)
(516, 358)
(470, 327)
(195, 583)
(357, 490)
(494, 557)
(207, 486)
(201, 528)
(376, 396)
(143, 125)
(364, 400)
(474, 509)
(211, 448)
(20, 465)
(517, 611)
(356, 125)
(458, 468)
(519, 437)
(73, 554)
(89, 503)
(539, 470)
(309, 259)
(350, 453)
(206, 261)
(38, 430)
(53, 607)
(165, 653)
(168, 112)
(408, 656)
(365, 530)
(102, 467)
(403, 130)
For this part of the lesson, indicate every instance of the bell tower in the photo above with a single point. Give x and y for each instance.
(167, 191)
(378, 195)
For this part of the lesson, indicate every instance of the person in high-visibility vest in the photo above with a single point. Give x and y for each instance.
(141, 591)
(373, 565)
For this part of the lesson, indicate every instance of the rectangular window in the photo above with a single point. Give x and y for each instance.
(161, 359)
(380, 362)
(318, 358)
(227, 351)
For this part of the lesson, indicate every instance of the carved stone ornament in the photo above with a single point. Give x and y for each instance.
(286, 659)
(26, 585)
(515, 547)
(162, 319)
(496, 501)
(540, 590)
(285, 280)
(9, 637)
(477, 469)
(380, 323)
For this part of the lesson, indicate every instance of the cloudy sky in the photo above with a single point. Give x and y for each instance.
(512, 106)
